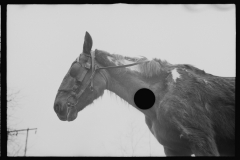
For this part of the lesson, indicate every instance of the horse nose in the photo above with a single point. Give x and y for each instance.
(57, 107)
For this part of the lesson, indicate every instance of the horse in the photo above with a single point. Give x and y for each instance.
(193, 113)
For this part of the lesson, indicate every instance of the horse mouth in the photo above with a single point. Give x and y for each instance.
(71, 113)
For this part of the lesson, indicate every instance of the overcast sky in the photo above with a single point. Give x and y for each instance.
(43, 41)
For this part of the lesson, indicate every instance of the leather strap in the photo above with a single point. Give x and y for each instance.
(95, 67)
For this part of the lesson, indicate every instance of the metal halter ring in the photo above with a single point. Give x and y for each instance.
(69, 103)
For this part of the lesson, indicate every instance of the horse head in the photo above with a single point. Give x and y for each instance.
(82, 84)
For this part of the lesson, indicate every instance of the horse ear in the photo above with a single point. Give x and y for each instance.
(87, 46)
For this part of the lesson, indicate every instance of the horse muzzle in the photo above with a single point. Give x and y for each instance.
(65, 112)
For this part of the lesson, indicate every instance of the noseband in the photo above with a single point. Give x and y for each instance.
(76, 91)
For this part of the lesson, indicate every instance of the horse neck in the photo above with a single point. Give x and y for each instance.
(125, 84)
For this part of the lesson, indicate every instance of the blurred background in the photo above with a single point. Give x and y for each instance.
(43, 41)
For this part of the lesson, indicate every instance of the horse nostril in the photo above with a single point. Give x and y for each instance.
(57, 107)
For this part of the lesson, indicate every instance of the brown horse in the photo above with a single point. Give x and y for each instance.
(194, 112)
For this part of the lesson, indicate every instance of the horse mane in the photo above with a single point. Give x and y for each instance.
(155, 66)
(149, 69)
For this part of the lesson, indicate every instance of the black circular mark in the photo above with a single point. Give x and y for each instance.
(144, 98)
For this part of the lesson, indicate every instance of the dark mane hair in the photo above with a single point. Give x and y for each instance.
(155, 66)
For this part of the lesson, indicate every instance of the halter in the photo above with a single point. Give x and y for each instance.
(90, 64)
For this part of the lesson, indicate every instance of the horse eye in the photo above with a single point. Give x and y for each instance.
(75, 70)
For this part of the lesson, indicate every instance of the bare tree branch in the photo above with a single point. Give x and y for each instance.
(13, 143)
